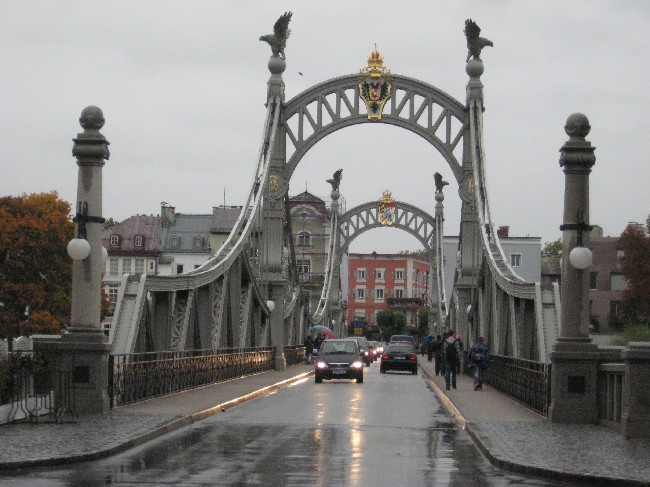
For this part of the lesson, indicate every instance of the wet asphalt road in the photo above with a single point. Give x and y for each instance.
(389, 431)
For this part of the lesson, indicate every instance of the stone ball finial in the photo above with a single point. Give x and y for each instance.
(335, 195)
(277, 65)
(577, 126)
(439, 197)
(92, 118)
(474, 68)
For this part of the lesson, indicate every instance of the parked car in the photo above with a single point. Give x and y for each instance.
(399, 356)
(339, 358)
(363, 349)
(405, 338)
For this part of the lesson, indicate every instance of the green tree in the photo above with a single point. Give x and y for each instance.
(423, 322)
(36, 272)
(390, 323)
(553, 248)
(635, 266)
(108, 223)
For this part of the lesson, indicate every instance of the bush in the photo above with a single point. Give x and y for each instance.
(633, 333)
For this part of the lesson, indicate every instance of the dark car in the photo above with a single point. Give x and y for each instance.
(363, 349)
(399, 356)
(404, 338)
(339, 359)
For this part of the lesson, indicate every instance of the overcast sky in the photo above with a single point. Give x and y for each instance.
(182, 85)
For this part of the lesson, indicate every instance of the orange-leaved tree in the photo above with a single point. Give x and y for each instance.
(35, 270)
(635, 241)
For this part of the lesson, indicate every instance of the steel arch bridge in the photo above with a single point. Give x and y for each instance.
(249, 293)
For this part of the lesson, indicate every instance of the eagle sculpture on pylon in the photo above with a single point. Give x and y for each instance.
(281, 31)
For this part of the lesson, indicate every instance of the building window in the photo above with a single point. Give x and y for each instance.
(304, 239)
(361, 293)
(614, 308)
(198, 243)
(179, 268)
(152, 266)
(304, 266)
(399, 275)
(138, 241)
(379, 293)
(380, 274)
(361, 274)
(112, 296)
(399, 293)
(115, 240)
(139, 266)
(113, 266)
(620, 253)
(593, 279)
(175, 243)
(126, 266)
(617, 282)
(515, 260)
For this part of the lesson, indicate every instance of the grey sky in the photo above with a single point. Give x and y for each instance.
(183, 86)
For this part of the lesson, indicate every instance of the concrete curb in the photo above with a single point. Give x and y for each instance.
(157, 433)
(517, 467)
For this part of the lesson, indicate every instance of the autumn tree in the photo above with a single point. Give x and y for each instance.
(635, 242)
(36, 272)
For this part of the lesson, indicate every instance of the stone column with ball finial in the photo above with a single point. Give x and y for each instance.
(82, 353)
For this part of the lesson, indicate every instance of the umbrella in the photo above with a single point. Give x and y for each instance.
(428, 338)
(323, 330)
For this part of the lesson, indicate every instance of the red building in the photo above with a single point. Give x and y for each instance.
(380, 281)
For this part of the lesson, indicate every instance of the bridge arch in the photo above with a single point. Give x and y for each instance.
(408, 218)
(414, 105)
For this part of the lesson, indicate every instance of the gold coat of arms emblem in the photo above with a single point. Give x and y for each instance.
(375, 88)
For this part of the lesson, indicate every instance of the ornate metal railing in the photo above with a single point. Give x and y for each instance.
(524, 380)
(294, 354)
(138, 376)
(35, 395)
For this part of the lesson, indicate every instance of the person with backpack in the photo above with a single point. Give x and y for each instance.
(451, 354)
(479, 358)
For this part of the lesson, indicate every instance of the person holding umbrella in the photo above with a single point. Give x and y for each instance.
(309, 348)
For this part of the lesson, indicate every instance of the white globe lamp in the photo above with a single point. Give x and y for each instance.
(271, 305)
(580, 257)
(78, 248)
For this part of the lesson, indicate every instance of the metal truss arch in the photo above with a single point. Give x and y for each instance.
(408, 218)
(335, 104)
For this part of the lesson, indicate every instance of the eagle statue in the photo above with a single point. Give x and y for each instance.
(336, 180)
(281, 31)
(475, 43)
(437, 178)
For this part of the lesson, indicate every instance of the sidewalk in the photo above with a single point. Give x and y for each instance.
(516, 438)
(100, 435)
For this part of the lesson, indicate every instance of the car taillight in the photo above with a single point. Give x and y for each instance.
(413, 357)
(385, 356)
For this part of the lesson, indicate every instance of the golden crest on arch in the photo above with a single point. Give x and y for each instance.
(375, 88)
(387, 208)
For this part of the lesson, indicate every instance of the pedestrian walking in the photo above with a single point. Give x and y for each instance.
(479, 358)
(437, 355)
(317, 341)
(430, 350)
(451, 353)
(309, 348)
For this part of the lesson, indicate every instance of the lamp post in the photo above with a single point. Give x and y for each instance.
(83, 352)
(574, 358)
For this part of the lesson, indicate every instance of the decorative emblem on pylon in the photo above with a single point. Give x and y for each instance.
(375, 88)
(387, 208)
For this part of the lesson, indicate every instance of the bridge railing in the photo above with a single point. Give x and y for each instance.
(294, 354)
(138, 376)
(524, 380)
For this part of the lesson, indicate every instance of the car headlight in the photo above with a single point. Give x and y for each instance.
(365, 353)
(357, 364)
(321, 365)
